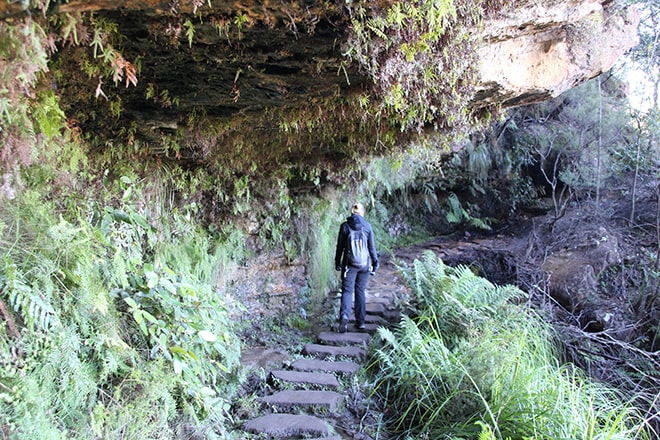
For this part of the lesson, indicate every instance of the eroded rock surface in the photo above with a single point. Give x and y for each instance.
(247, 57)
(573, 270)
(542, 49)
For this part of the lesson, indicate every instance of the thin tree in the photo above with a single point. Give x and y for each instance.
(647, 56)
(599, 142)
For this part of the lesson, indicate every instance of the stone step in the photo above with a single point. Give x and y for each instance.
(287, 425)
(259, 357)
(301, 377)
(304, 398)
(371, 319)
(383, 310)
(369, 328)
(378, 300)
(330, 366)
(350, 338)
(320, 350)
(334, 437)
(392, 315)
(376, 309)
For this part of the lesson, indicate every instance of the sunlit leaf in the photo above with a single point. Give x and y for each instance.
(207, 336)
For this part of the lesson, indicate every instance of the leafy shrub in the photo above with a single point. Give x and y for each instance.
(114, 329)
(179, 314)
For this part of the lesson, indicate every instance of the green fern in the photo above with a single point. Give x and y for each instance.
(486, 432)
(64, 281)
(190, 31)
(474, 364)
(35, 309)
(456, 214)
(49, 117)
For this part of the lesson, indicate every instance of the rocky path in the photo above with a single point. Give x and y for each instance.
(309, 394)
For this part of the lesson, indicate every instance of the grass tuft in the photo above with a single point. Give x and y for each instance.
(472, 363)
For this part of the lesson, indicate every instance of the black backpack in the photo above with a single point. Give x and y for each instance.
(358, 249)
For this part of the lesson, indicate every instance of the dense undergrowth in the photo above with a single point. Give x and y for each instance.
(111, 327)
(473, 361)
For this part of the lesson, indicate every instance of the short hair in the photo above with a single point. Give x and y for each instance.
(357, 208)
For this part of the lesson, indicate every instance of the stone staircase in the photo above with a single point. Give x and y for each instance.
(309, 392)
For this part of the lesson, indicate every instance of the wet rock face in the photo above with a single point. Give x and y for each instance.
(232, 70)
(231, 63)
(268, 286)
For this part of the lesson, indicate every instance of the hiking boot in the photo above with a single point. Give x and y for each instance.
(343, 324)
(360, 326)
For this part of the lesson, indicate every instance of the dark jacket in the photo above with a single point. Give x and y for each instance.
(356, 222)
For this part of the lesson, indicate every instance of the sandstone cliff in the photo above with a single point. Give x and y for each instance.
(542, 49)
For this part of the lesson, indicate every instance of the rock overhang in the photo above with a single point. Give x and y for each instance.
(248, 59)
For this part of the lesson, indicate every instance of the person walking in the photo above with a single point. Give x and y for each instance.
(355, 258)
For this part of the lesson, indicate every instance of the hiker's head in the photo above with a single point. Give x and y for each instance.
(357, 208)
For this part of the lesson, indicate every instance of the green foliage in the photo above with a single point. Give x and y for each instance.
(574, 138)
(564, 149)
(420, 57)
(23, 56)
(422, 181)
(120, 326)
(102, 35)
(48, 116)
(69, 340)
(474, 363)
(171, 298)
(37, 311)
(458, 215)
(316, 226)
(190, 31)
(240, 19)
(384, 176)
(26, 110)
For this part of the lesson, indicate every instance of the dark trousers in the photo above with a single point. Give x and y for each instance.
(354, 283)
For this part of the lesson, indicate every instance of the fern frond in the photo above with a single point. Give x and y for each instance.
(36, 311)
